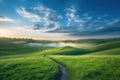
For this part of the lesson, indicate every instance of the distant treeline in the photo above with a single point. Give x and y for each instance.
(24, 39)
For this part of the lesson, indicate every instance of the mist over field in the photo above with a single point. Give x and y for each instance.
(58, 44)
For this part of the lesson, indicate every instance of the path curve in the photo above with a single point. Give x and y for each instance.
(64, 74)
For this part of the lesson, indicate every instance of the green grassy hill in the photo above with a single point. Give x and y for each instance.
(115, 51)
(99, 61)
(10, 46)
(81, 51)
(91, 67)
(64, 51)
(28, 68)
(107, 46)
(93, 41)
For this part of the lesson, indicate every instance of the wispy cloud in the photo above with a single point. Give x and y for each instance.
(50, 19)
(5, 19)
(72, 17)
(46, 18)
(27, 14)
(111, 29)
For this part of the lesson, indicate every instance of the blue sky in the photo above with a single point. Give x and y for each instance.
(60, 19)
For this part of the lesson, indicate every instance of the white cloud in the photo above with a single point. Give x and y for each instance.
(100, 28)
(50, 18)
(47, 19)
(113, 21)
(5, 19)
(74, 20)
(32, 16)
(80, 23)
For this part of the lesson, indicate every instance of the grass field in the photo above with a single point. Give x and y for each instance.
(16, 63)
(91, 67)
(98, 61)
(28, 68)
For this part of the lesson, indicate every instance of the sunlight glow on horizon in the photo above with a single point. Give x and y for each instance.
(18, 32)
(4, 32)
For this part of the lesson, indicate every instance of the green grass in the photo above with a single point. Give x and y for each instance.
(115, 51)
(98, 61)
(64, 51)
(17, 63)
(102, 63)
(28, 68)
(18, 46)
(106, 46)
(91, 67)
(94, 46)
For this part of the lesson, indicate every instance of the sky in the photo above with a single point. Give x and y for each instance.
(60, 19)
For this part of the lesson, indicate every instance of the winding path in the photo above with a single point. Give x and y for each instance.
(64, 74)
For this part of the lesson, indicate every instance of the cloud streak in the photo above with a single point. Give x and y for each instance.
(27, 14)
(72, 17)
(50, 19)
(5, 19)
(46, 18)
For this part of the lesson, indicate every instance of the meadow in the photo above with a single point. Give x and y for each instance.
(16, 63)
(92, 59)
(91, 67)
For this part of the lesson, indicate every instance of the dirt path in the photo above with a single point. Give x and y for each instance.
(64, 74)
